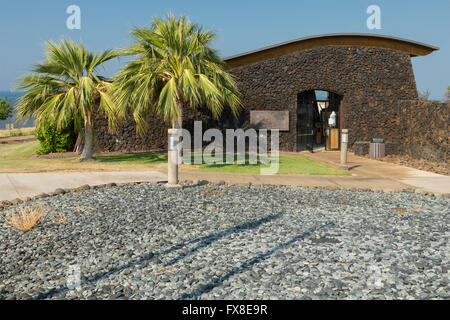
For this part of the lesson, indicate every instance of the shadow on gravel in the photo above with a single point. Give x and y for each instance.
(205, 241)
(202, 242)
(215, 283)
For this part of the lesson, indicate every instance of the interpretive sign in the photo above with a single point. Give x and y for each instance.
(270, 120)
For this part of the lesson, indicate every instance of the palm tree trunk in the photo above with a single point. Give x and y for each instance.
(88, 149)
(180, 126)
(179, 122)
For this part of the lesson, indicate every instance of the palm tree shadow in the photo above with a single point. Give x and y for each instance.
(145, 158)
(247, 265)
(203, 242)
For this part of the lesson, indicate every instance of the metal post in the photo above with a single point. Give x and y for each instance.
(173, 159)
(344, 146)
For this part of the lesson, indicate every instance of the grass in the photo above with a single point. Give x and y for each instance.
(25, 218)
(18, 158)
(20, 150)
(60, 218)
(17, 132)
(288, 165)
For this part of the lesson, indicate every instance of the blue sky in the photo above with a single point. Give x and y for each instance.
(240, 25)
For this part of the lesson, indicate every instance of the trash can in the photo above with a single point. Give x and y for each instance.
(377, 148)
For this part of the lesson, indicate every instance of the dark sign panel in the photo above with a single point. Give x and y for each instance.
(270, 120)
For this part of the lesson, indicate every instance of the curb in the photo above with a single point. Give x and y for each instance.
(60, 191)
(198, 183)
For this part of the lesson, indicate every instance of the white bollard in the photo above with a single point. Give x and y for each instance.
(344, 147)
(173, 135)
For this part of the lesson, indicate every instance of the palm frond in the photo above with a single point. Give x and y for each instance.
(175, 65)
(65, 86)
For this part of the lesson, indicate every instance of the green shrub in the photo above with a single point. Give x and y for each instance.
(5, 109)
(53, 140)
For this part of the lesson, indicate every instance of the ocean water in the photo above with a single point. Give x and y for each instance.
(13, 97)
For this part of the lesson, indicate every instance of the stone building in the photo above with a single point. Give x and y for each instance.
(367, 81)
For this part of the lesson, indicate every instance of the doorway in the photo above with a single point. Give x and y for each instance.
(315, 131)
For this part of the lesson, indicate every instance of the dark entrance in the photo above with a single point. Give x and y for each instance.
(314, 109)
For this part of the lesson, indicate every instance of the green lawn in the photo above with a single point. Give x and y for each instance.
(18, 158)
(19, 151)
(287, 165)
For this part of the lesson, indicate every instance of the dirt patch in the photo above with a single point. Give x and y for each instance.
(17, 140)
(398, 211)
(62, 155)
(65, 155)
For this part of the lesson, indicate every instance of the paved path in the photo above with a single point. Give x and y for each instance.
(366, 174)
(22, 185)
(364, 167)
(373, 183)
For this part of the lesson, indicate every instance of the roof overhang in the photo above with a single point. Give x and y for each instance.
(412, 48)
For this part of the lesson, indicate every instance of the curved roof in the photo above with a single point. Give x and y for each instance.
(413, 48)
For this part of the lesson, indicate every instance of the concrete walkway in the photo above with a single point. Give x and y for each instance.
(367, 174)
(340, 182)
(22, 185)
(368, 168)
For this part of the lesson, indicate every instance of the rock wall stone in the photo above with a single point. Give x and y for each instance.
(420, 130)
(154, 137)
(425, 129)
(127, 139)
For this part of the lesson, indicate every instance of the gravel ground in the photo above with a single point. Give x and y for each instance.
(222, 242)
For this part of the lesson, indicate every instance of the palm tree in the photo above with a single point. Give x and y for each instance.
(66, 87)
(175, 67)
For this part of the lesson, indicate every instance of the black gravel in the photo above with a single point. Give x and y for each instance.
(221, 242)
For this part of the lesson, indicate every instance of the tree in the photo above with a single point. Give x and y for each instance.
(175, 67)
(66, 87)
(5, 109)
(447, 94)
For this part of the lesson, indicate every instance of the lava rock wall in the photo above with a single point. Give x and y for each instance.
(379, 99)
